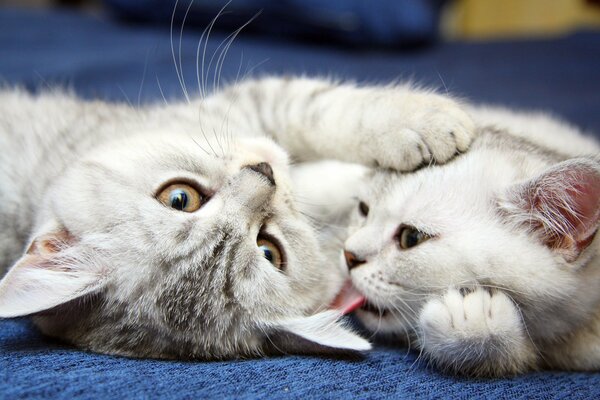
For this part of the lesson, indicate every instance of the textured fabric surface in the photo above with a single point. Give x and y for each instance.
(98, 58)
(32, 366)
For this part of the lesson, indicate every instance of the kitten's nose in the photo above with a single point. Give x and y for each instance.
(351, 260)
(264, 169)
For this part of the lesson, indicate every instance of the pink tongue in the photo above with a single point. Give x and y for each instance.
(348, 299)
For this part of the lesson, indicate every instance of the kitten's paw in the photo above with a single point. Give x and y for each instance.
(475, 332)
(427, 129)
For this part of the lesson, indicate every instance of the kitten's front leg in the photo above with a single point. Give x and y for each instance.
(396, 127)
(475, 333)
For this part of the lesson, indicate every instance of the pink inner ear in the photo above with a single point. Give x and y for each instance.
(51, 243)
(53, 272)
(567, 203)
(586, 200)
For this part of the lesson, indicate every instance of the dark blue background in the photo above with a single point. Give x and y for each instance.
(99, 58)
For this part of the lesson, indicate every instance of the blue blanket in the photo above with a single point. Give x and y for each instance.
(99, 58)
(392, 23)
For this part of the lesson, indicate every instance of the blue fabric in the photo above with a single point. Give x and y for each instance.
(356, 22)
(33, 366)
(99, 58)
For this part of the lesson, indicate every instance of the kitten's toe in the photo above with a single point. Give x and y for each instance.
(477, 310)
(414, 154)
(448, 131)
(504, 315)
(402, 150)
(435, 316)
(461, 129)
(453, 300)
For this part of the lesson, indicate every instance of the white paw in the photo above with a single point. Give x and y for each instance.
(478, 332)
(421, 129)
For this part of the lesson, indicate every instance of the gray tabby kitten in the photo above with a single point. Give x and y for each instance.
(489, 264)
(172, 231)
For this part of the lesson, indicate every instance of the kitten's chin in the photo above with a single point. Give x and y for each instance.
(382, 321)
(373, 317)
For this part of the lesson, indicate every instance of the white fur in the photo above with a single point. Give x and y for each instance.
(488, 232)
(323, 328)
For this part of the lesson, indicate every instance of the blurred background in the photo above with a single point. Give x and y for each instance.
(533, 54)
(458, 19)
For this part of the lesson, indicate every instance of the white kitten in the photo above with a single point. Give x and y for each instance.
(491, 263)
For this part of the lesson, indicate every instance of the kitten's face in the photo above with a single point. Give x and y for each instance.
(446, 226)
(178, 252)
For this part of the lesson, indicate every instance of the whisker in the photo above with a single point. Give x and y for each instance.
(183, 85)
(223, 55)
(177, 72)
(143, 79)
(161, 91)
(201, 89)
(198, 144)
(126, 97)
(205, 76)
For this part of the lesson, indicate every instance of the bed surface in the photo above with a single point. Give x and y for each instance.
(101, 58)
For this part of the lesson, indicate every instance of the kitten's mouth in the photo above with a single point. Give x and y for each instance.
(349, 299)
(373, 309)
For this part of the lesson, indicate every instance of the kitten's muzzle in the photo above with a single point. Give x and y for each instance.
(264, 169)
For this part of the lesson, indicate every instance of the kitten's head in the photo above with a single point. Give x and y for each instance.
(477, 221)
(162, 246)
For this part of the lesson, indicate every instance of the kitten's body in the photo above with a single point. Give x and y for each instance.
(509, 278)
(109, 268)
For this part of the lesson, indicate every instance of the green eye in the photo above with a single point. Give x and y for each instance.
(271, 252)
(409, 236)
(181, 197)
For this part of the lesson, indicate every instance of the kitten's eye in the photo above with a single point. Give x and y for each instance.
(363, 208)
(408, 237)
(181, 196)
(271, 252)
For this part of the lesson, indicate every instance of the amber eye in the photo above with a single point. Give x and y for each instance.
(409, 236)
(363, 208)
(271, 251)
(181, 196)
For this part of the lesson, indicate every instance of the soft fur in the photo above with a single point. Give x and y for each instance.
(100, 262)
(509, 279)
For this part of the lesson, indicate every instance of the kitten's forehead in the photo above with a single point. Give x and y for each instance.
(173, 151)
(380, 183)
(434, 192)
(153, 157)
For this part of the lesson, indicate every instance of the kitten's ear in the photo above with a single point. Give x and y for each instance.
(319, 333)
(562, 205)
(47, 275)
